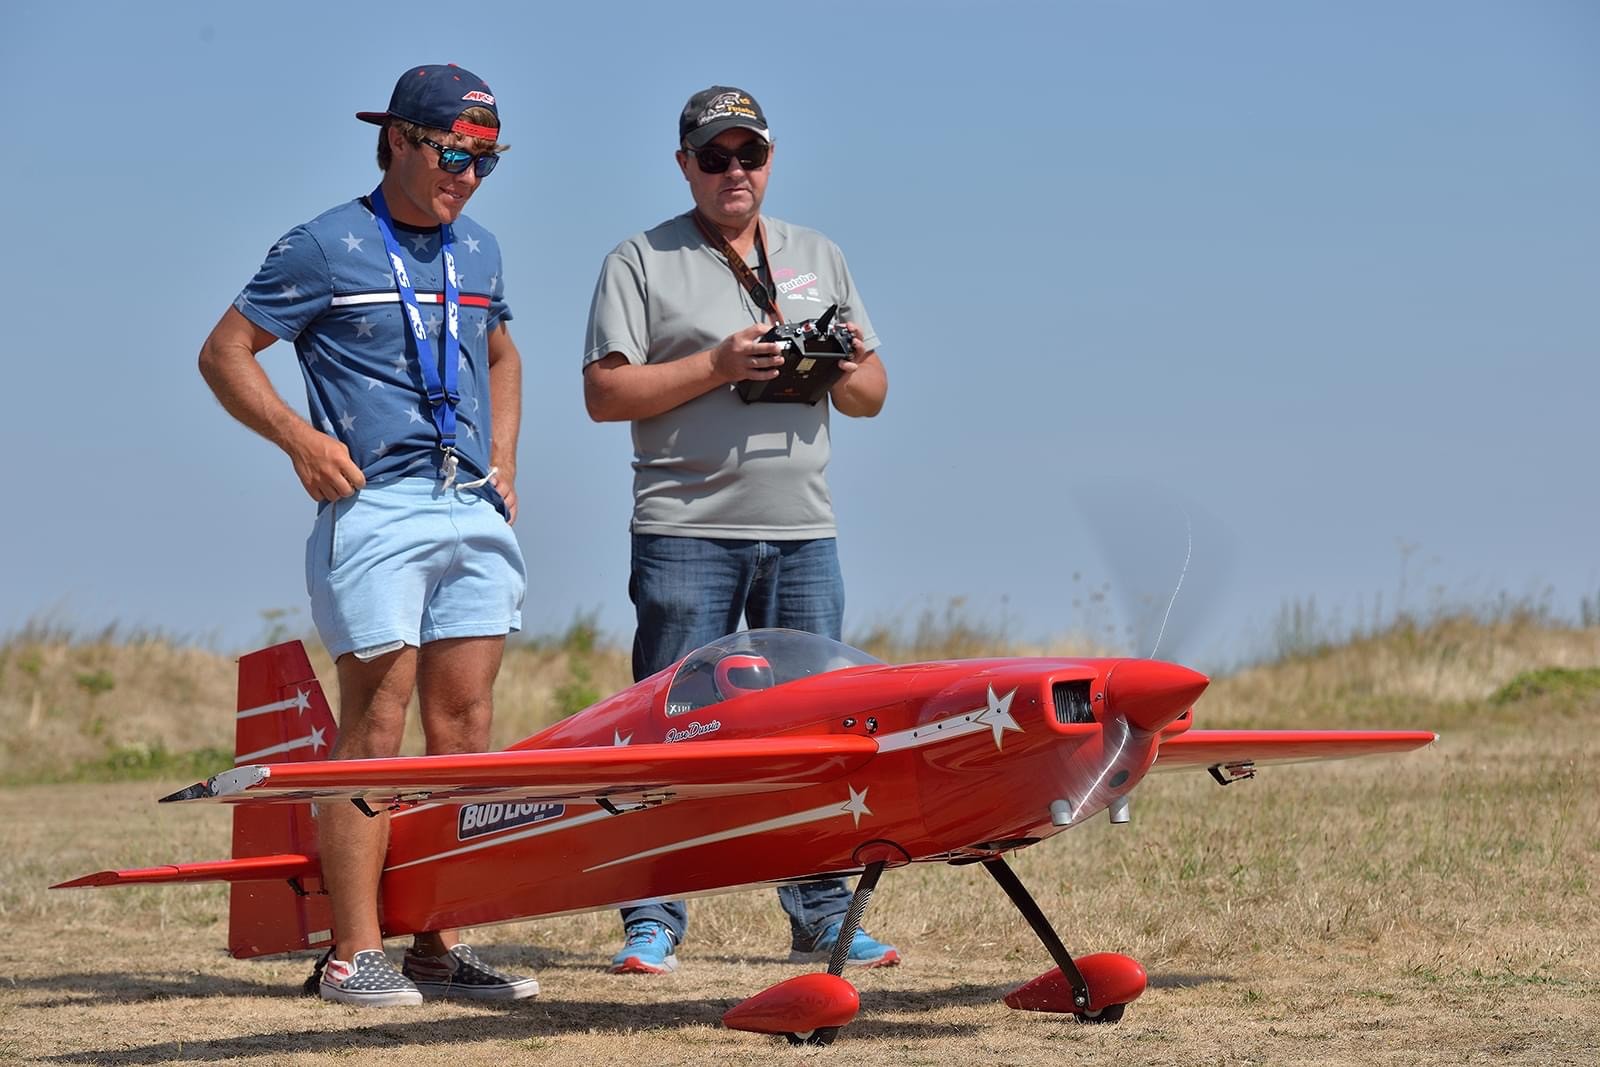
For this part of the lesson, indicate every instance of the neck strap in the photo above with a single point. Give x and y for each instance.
(741, 270)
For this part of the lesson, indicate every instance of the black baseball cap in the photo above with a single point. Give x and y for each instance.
(435, 96)
(721, 107)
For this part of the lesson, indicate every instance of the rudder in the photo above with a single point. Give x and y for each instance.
(282, 717)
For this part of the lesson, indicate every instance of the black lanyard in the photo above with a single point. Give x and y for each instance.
(741, 270)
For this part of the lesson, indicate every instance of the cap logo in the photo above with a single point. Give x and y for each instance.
(480, 97)
(725, 105)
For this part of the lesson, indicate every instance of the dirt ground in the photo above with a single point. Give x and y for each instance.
(1436, 908)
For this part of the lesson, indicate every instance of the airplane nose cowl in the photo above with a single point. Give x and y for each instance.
(1149, 693)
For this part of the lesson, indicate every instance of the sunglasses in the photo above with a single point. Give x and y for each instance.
(455, 160)
(714, 159)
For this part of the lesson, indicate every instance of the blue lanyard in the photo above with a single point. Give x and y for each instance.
(442, 396)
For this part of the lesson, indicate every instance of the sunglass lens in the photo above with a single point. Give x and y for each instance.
(714, 159)
(484, 164)
(454, 160)
(753, 156)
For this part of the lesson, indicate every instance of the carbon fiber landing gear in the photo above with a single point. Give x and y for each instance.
(1093, 989)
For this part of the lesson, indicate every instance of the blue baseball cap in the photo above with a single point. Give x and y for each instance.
(435, 96)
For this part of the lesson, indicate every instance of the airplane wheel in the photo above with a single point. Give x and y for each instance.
(1111, 1013)
(823, 1035)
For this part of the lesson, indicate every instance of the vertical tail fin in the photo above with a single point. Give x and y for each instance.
(283, 717)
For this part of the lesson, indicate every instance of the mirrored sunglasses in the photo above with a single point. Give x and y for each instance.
(455, 160)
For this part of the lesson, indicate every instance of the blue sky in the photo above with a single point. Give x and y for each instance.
(1320, 275)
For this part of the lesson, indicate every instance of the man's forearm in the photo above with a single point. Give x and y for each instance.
(615, 390)
(245, 392)
(862, 394)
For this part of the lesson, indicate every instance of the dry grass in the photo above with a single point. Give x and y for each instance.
(1436, 908)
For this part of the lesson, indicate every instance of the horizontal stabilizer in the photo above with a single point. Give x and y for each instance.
(1210, 748)
(254, 869)
(625, 774)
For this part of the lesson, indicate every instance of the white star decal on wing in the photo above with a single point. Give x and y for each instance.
(434, 322)
(998, 715)
(316, 739)
(618, 741)
(412, 416)
(290, 292)
(347, 421)
(364, 327)
(419, 244)
(856, 805)
(352, 243)
(472, 243)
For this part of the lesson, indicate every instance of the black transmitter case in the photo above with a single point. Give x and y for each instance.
(812, 351)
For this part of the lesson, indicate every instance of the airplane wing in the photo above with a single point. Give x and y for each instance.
(1230, 749)
(628, 774)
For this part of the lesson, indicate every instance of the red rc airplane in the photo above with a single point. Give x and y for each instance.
(768, 756)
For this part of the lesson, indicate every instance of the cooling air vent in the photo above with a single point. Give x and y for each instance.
(1072, 702)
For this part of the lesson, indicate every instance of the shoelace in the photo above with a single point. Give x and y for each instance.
(645, 934)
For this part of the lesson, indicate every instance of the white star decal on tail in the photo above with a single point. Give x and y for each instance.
(618, 741)
(313, 741)
(300, 702)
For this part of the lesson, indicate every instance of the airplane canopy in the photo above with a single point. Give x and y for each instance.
(755, 659)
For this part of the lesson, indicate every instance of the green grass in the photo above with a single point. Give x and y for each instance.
(136, 762)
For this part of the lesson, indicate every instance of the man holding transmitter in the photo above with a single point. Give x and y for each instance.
(731, 514)
(396, 310)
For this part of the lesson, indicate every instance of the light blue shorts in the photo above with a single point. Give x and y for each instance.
(408, 562)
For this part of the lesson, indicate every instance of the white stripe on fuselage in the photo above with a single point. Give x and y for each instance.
(856, 806)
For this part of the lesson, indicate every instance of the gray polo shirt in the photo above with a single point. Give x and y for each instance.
(716, 466)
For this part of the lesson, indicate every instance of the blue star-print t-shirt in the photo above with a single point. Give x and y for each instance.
(327, 287)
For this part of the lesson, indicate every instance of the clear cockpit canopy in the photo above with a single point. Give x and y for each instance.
(751, 660)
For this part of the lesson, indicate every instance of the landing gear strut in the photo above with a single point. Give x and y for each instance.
(811, 1009)
(1095, 989)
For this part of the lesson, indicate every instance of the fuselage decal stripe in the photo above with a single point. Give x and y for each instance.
(784, 822)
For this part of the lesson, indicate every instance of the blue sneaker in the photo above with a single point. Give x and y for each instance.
(648, 950)
(865, 951)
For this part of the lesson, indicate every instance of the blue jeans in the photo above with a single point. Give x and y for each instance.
(689, 591)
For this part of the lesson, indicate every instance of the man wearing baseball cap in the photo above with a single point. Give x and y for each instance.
(732, 519)
(396, 309)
